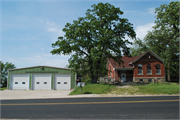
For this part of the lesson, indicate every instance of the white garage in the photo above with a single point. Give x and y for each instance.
(41, 82)
(19, 82)
(62, 81)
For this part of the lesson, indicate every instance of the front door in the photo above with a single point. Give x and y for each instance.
(123, 76)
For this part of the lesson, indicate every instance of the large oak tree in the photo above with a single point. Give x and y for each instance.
(164, 39)
(90, 40)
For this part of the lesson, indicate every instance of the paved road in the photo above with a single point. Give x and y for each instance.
(164, 107)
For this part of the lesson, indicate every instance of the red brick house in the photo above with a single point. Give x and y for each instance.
(146, 67)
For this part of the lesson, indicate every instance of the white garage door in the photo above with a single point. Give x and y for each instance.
(62, 81)
(19, 81)
(41, 82)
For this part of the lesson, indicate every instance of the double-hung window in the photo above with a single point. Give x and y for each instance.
(149, 69)
(158, 70)
(140, 71)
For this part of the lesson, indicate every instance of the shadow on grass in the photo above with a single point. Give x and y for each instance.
(87, 92)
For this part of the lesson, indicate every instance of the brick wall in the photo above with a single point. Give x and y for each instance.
(152, 61)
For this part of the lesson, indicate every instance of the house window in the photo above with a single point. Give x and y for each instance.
(140, 69)
(110, 71)
(23, 82)
(58, 82)
(158, 70)
(37, 82)
(149, 80)
(16, 82)
(148, 69)
(45, 82)
(141, 80)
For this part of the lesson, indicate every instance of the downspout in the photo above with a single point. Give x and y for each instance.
(7, 79)
(114, 74)
(133, 73)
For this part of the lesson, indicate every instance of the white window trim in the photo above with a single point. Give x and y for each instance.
(140, 73)
(149, 73)
(158, 73)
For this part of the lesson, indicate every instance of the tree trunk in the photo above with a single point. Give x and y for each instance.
(168, 72)
(91, 71)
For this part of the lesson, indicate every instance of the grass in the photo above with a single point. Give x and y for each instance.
(3, 88)
(149, 89)
(160, 88)
(93, 89)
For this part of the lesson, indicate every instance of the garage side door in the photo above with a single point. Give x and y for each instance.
(19, 82)
(62, 81)
(41, 82)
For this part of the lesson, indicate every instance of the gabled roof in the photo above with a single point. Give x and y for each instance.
(130, 60)
(39, 66)
(152, 53)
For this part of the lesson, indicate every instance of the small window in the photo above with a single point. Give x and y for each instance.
(65, 82)
(37, 82)
(149, 80)
(16, 82)
(58, 82)
(23, 83)
(141, 80)
(45, 82)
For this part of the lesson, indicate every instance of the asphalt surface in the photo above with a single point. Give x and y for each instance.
(163, 107)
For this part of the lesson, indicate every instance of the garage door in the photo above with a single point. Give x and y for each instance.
(62, 81)
(41, 82)
(19, 81)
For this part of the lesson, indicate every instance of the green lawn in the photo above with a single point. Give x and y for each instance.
(160, 88)
(93, 89)
(4, 88)
(151, 89)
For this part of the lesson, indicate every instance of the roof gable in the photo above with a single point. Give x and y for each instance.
(128, 60)
(152, 53)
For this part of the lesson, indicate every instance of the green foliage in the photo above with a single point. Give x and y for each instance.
(139, 47)
(90, 40)
(3, 88)
(4, 71)
(164, 39)
(93, 89)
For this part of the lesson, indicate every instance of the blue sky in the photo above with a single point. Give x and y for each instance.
(29, 27)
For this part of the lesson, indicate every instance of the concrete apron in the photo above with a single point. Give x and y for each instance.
(33, 94)
(45, 94)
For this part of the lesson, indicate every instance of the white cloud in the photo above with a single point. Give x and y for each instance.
(151, 11)
(141, 31)
(52, 27)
